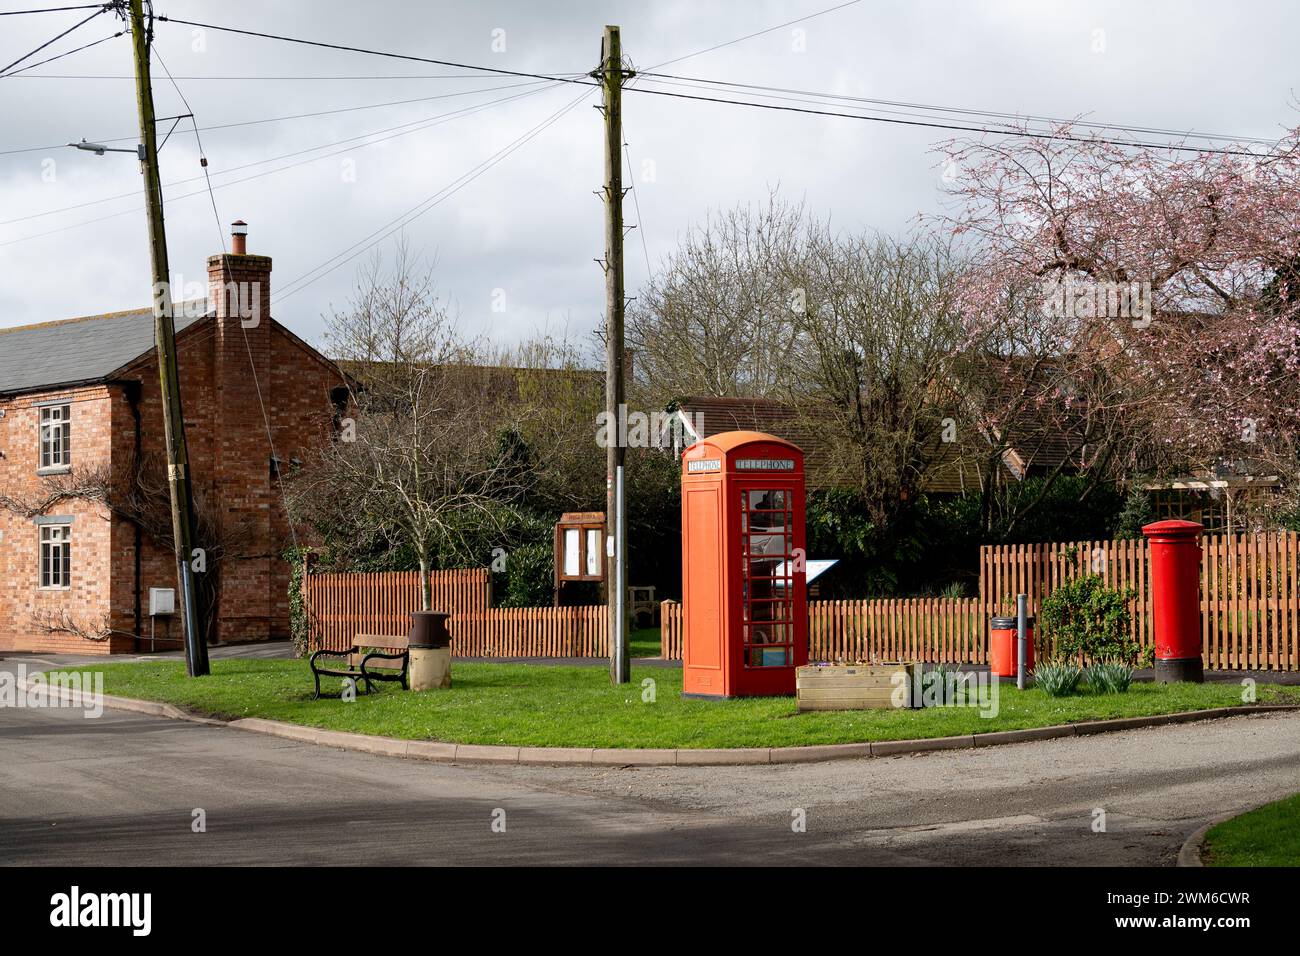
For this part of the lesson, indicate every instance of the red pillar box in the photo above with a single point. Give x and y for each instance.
(744, 578)
(1176, 599)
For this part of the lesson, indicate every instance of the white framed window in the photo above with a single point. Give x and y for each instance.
(56, 556)
(56, 436)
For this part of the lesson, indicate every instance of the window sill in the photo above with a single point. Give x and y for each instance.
(54, 590)
(55, 470)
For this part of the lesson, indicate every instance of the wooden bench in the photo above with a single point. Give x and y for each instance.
(390, 654)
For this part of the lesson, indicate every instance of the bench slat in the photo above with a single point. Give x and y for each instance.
(382, 641)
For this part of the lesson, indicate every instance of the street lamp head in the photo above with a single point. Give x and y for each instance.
(95, 148)
(100, 150)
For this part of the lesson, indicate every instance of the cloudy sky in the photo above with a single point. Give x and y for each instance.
(523, 234)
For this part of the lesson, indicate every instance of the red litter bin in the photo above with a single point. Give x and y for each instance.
(1002, 646)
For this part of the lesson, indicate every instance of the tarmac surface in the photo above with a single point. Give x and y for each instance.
(125, 789)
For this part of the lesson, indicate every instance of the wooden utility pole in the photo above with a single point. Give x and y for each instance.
(178, 472)
(611, 77)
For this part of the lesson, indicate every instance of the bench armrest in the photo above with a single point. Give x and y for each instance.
(382, 656)
(324, 652)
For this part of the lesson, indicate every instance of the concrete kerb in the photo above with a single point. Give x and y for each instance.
(445, 752)
(151, 708)
(1190, 853)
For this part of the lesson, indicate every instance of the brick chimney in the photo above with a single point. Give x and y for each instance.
(239, 237)
(239, 285)
(239, 291)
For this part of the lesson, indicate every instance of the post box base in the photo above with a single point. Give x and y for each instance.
(1183, 669)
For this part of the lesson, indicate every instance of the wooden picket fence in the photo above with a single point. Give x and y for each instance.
(1038, 569)
(532, 632)
(888, 629)
(898, 629)
(670, 630)
(1250, 604)
(1250, 590)
(340, 606)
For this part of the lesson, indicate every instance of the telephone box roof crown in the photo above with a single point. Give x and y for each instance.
(729, 441)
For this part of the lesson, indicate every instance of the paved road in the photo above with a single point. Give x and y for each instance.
(122, 789)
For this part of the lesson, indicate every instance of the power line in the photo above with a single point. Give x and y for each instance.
(81, 23)
(342, 258)
(1023, 134)
(695, 82)
(87, 46)
(636, 202)
(411, 127)
(84, 6)
(294, 116)
(198, 140)
(568, 78)
(561, 77)
(263, 77)
(248, 348)
(428, 203)
(418, 125)
(758, 33)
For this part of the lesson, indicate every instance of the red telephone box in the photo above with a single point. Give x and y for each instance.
(744, 588)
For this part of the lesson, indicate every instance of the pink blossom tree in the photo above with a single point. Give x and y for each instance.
(1162, 287)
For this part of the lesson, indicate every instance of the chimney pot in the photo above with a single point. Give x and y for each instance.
(239, 237)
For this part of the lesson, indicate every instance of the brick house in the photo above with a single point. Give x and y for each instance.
(79, 400)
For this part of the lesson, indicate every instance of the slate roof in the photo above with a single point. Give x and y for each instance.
(87, 349)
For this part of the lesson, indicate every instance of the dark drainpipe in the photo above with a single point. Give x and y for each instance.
(132, 390)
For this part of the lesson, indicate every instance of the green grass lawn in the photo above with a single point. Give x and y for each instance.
(529, 705)
(644, 642)
(1269, 836)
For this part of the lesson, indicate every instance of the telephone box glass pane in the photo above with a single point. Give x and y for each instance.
(769, 611)
(767, 501)
(767, 521)
(571, 552)
(777, 544)
(768, 657)
(593, 551)
(767, 578)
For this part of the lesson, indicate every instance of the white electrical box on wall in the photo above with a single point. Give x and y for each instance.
(162, 602)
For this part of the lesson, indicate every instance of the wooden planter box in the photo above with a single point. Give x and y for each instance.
(854, 686)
